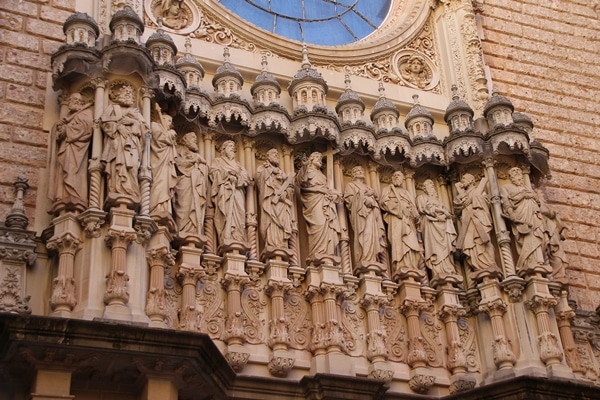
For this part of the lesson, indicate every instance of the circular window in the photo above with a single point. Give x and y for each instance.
(319, 22)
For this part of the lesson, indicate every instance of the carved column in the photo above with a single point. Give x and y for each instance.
(145, 173)
(95, 166)
(550, 352)
(234, 281)
(294, 240)
(278, 337)
(376, 337)
(341, 210)
(503, 354)
(564, 317)
(318, 343)
(119, 237)
(457, 361)
(63, 297)
(417, 356)
(281, 361)
(209, 226)
(156, 307)
(190, 271)
(251, 216)
(234, 322)
(333, 328)
(502, 234)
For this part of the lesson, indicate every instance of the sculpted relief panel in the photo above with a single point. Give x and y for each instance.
(289, 252)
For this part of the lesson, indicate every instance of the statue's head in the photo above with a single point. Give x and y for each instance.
(357, 172)
(316, 159)
(429, 187)
(397, 178)
(467, 180)
(190, 140)
(516, 175)
(228, 149)
(273, 156)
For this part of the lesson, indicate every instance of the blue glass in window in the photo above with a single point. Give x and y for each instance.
(288, 28)
(322, 22)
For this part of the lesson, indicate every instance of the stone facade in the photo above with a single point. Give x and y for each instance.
(116, 124)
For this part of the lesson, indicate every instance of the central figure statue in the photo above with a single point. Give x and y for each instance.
(229, 179)
(319, 209)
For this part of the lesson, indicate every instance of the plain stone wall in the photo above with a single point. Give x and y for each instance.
(544, 55)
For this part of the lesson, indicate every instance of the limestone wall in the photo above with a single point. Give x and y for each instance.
(545, 56)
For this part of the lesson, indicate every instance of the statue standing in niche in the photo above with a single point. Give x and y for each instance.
(191, 189)
(439, 235)
(476, 224)
(415, 71)
(162, 160)
(554, 236)
(229, 180)
(276, 194)
(521, 205)
(68, 183)
(401, 216)
(124, 128)
(319, 209)
(365, 216)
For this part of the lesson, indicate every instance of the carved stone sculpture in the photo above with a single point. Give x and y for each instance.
(319, 209)
(365, 216)
(229, 179)
(520, 204)
(415, 71)
(162, 160)
(476, 224)
(439, 235)
(191, 189)
(276, 194)
(70, 142)
(401, 216)
(172, 14)
(124, 128)
(554, 236)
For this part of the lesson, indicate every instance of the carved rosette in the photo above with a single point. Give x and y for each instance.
(237, 360)
(461, 386)
(421, 383)
(280, 366)
(380, 374)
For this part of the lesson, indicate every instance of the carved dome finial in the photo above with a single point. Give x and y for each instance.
(454, 89)
(305, 61)
(226, 54)
(347, 82)
(381, 90)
